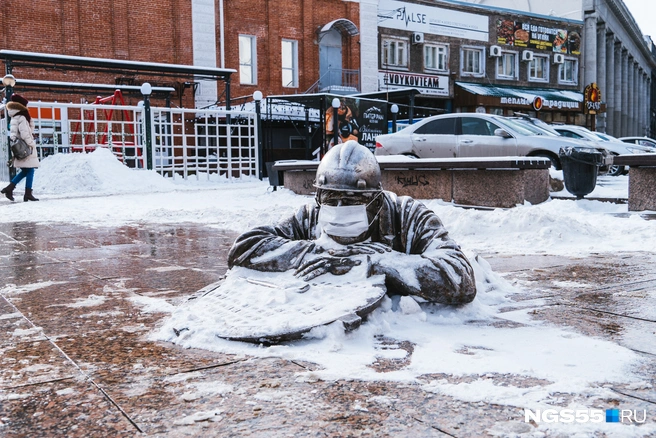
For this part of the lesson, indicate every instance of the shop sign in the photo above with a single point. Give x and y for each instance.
(357, 119)
(432, 20)
(592, 99)
(536, 36)
(539, 103)
(426, 84)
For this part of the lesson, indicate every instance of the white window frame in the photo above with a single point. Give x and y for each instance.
(289, 70)
(481, 61)
(529, 68)
(248, 63)
(395, 53)
(507, 60)
(440, 57)
(562, 70)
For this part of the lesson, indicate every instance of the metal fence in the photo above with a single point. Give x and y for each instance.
(185, 142)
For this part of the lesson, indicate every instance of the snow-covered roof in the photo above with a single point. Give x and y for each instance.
(57, 84)
(276, 110)
(51, 58)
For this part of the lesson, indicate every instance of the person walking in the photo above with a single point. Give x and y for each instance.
(22, 126)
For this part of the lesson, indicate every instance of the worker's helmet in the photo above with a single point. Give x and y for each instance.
(349, 167)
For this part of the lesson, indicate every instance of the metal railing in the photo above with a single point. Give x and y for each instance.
(340, 81)
(190, 142)
(185, 142)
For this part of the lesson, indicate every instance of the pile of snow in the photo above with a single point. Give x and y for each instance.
(76, 185)
(95, 173)
(99, 173)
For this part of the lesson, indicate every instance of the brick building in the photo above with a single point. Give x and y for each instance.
(317, 37)
(467, 58)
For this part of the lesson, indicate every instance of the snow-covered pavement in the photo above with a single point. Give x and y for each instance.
(555, 324)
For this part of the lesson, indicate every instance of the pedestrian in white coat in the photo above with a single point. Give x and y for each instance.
(22, 126)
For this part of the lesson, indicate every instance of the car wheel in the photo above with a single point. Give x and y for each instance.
(614, 170)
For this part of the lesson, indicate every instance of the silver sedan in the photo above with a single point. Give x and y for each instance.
(471, 135)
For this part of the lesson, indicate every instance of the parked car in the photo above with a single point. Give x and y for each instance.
(642, 141)
(525, 118)
(471, 135)
(614, 145)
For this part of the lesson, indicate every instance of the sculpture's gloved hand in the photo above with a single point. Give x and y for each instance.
(360, 248)
(325, 264)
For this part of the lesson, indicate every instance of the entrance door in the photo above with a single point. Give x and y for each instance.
(330, 59)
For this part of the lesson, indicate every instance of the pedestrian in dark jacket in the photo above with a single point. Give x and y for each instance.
(22, 126)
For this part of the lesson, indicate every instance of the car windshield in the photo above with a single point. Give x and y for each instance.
(545, 126)
(538, 129)
(517, 126)
(603, 137)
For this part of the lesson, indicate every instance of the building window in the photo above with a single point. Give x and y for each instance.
(507, 66)
(435, 57)
(289, 63)
(568, 72)
(538, 69)
(395, 53)
(247, 60)
(471, 61)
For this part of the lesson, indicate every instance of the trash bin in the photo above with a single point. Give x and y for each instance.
(580, 168)
(275, 179)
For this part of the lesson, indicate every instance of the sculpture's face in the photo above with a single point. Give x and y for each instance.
(348, 216)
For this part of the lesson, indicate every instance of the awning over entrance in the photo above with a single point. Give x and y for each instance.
(344, 26)
(537, 98)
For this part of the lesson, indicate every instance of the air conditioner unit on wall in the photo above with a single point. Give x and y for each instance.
(559, 58)
(495, 51)
(527, 55)
(417, 38)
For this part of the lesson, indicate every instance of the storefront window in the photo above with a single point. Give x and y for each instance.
(289, 63)
(507, 66)
(435, 57)
(247, 60)
(568, 72)
(538, 69)
(395, 53)
(471, 61)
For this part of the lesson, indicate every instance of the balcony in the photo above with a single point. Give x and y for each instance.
(337, 81)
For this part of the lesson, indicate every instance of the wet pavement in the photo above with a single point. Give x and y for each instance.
(74, 360)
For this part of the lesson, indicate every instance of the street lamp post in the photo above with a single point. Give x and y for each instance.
(336, 104)
(395, 110)
(146, 90)
(9, 81)
(257, 97)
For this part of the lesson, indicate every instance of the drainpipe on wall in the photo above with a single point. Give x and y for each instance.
(222, 33)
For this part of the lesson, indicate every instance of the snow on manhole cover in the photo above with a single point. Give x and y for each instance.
(256, 306)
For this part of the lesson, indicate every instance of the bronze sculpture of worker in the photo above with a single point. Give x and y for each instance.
(354, 211)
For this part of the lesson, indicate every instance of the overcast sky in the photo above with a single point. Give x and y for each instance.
(644, 12)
